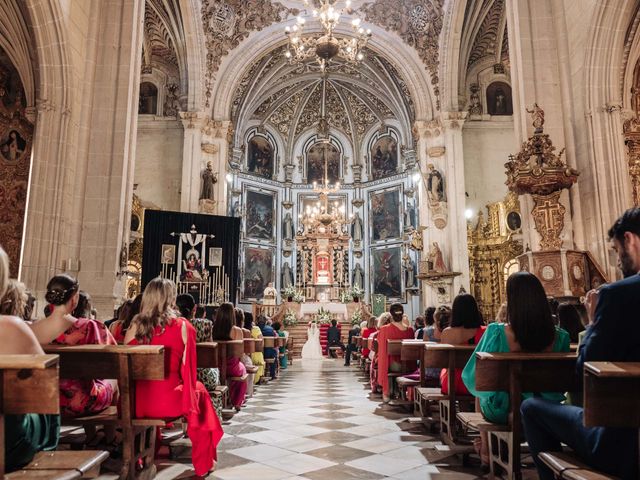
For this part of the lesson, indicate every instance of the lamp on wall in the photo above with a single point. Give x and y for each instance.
(327, 47)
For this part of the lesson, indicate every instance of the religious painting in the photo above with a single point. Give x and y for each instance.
(384, 157)
(499, 99)
(386, 274)
(260, 215)
(12, 146)
(148, 99)
(258, 271)
(385, 214)
(260, 157)
(168, 254)
(215, 257)
(320, 157)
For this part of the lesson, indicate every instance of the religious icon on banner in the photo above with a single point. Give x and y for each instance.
(215, 257)
(168, 254)
(192, 254)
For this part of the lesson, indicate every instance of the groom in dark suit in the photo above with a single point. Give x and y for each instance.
(613, 336)
(333, 338)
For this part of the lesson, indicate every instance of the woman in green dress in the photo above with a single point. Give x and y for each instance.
(529, 328)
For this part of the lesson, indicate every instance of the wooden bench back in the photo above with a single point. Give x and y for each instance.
(412, 350)
(109, 361)
(269, 342)
(249, 346)
(207, 355)
(30, 384)
(612, 394)
(394, 347)
(534, 372)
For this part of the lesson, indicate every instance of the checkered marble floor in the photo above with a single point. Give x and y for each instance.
(316, 422)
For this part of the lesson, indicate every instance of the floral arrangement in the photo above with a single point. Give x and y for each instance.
(324, 316)
(290, 319)
(293, 293)
(348, 295)
(356, 319)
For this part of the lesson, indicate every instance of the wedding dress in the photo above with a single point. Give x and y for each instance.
(312, 349)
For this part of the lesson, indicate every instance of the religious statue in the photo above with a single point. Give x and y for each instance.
(287, 230)
(409, 215)
(209, 179)
(475, 108)
(287, 278)
(171, 104)
(538, 117)
(358, 277)
(270, 295)
(416, 240)
(436, 259)
(410, 272)
(435, 185)
(237, 209)
(356, 229)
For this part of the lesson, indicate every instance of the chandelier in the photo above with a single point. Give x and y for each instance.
(326, 47)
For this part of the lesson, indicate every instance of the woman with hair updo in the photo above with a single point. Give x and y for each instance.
(14, 301)
(27, 434)
(77, 397)
(179, 394)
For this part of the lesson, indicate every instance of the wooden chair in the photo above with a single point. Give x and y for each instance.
(269, 342)
(516, 373)
(126, 364)
(394, 347)
(611, 399)
(30, 384)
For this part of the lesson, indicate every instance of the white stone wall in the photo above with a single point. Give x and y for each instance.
(487, 146)
(158, 171)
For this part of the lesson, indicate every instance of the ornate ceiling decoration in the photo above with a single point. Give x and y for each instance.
(227, 22)
(164, 44)
(417, 22)
(158, 45)
(487, 40)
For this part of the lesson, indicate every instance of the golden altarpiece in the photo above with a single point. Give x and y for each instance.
(494, 243)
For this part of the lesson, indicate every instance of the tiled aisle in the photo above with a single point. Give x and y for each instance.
(317, 423)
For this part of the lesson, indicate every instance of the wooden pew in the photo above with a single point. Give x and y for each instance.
(30, 384)
(228, 349)
(394, 347)
(516, 373)
(451, 357)
(269, 342)
(126, 364)
(611, 399)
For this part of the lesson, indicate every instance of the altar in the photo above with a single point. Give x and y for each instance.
(334, 308)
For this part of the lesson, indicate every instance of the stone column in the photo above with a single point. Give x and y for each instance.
(192, 160)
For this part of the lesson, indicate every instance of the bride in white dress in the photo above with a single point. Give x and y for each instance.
(312, 350)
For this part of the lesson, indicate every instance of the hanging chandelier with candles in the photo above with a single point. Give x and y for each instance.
(326, 47)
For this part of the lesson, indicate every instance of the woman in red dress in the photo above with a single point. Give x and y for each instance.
(77, 397)
(396, 330)
(224, 329)
(179, 394)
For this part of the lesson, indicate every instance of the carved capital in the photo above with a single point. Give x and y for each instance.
(454, 120)
(193, 120)
(44, 105)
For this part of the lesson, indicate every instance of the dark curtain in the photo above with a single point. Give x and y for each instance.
(158, 226)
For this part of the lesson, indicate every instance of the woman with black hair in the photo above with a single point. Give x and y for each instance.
(128, 310)
(569, 319)
(529, 328)
(77, 397)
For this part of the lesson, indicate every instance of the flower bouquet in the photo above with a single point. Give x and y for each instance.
(290, 319)
(356, 319)
(324, 316)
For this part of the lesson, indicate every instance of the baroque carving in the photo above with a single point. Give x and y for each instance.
(227, 23)
(417, 22)
(631, 130)
(486, 41)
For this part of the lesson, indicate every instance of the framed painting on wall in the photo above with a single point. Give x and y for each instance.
(258, 266)
(260, 157)
(385, 214)
(260, 214)
(386, 272)
(319, 154)
(384, 157)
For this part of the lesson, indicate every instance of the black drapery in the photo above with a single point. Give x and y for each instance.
(158, 226)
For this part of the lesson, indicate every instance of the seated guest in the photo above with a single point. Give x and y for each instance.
(529, 328)
(14, 301)
(25, 435)
(246, 359)
(333, 338)
(179, 394)
(613, 336)
(83, 309)
(569, 320)
(351, 346)
(209, 377)
(466, 328)
(396, 330)
(418, 327)
(277, 327)
(366, 332)
(429, 325)
(269, 352)
(77, 397)
(128, 310)
(382, 320)
(224, 329)
(257, 358)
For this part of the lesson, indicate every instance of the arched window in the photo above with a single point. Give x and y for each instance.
(148, 100)
(512, 266)
(499, 99)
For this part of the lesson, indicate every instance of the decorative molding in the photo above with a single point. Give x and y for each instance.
(486, 41)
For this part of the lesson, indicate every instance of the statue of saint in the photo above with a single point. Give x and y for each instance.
(410, 270)
(358, 276)
(287, 229)
(356, 229)
(270, 295)
(287, 279)
(209, 179)
(436, 259)
(537, 114)
(435, 186)
(417, 239)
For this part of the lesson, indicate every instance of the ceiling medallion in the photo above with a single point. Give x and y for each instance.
(327, 46)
